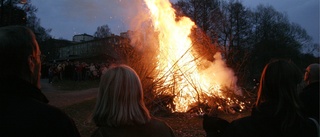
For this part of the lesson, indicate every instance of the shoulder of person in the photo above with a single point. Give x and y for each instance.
(99, 132)
(60, 120)
(243, 120)
(54, 112)
(243, 124)
(157, 122)
(162, 126)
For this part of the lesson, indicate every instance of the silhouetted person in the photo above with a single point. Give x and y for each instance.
(120, 110)
(277, 111)
(24, 109)
(214, 126)
(310, 94)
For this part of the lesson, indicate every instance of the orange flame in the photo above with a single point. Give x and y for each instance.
(179, 65)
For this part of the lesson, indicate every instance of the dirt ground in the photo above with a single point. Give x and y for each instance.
(79, 104)
(62, 99)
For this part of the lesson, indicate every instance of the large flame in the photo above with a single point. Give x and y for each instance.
(178, 65)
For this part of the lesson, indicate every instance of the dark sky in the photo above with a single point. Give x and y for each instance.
(69, 17)
(303, 12)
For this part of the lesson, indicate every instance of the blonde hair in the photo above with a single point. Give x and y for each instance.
(120, 99)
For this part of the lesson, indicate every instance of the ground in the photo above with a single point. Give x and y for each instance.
(79, 103)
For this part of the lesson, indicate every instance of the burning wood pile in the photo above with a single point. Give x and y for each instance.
(180, 69)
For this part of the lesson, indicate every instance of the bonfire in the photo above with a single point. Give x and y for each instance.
(181, 70)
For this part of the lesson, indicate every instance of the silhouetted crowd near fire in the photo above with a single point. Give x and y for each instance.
(280, 110)
(73, 70)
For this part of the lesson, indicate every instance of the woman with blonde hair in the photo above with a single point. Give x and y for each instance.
(120, 109)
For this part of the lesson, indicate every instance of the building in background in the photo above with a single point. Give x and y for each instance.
(85, 47)
(107, 49)
(82, 38)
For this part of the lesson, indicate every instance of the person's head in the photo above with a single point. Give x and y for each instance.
(279, 88)
(20, 54)
(311, 74)
(279, 82)
(120, 99)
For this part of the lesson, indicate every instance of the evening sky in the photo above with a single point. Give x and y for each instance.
(67, 18)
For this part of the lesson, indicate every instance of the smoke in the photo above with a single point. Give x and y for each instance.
(140, 24)
(220, 73)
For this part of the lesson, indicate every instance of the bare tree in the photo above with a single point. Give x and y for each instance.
(102, 32)
(22, 12)
(247, 38)
(275, 37)
(200, 11)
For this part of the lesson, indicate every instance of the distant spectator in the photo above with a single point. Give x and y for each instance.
(51, 73)
(310, 94)
(69, 69)
(24, 108)
(93, 71)
(103, 69)
(120, 110)
(79, 70)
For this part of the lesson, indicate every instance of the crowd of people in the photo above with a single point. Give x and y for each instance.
(279, 111)
(72, 70)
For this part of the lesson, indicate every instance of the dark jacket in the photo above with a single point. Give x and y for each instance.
(25, 112)
(154, 128)
(262, 123)
(310, 100)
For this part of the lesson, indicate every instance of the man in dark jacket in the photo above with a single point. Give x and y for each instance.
(310, 94)
(23, 108)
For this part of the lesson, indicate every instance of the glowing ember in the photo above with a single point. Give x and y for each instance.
(179, 66)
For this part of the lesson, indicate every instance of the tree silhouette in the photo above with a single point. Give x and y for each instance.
(22, 12)
(247, 38)
(102, 32)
